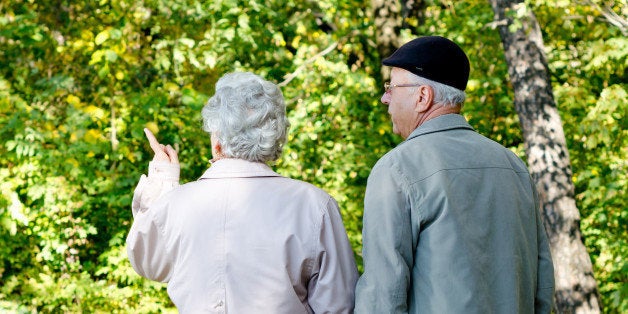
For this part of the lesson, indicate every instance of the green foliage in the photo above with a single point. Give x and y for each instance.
(80, 80)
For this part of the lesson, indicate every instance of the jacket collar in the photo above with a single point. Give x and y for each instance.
(441, 123)
(238, 168)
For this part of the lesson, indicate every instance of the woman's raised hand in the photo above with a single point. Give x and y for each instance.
(162, 152)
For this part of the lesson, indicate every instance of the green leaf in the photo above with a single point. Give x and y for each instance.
(102, 37)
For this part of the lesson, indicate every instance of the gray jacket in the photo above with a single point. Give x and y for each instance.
(452, 225)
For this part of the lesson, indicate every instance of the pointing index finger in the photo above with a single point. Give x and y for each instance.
(154, 144)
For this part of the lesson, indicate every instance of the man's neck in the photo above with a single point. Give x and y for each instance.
(437, 111)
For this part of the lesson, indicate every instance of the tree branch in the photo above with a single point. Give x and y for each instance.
(294, 74)
(612, 17)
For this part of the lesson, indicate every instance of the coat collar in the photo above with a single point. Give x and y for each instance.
(238, 168)
(441, 123)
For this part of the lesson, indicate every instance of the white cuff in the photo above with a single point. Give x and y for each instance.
(162, 178)
(164, 170)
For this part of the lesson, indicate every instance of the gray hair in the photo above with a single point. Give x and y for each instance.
(443, 94)
(247, 115)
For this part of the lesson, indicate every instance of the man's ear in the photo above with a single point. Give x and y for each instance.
(425, 98)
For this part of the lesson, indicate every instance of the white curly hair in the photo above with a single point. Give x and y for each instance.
(247, 115)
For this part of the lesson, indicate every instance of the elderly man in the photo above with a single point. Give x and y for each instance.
(241, 239)
(451, 218)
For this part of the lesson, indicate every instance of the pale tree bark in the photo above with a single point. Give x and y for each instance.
(387, 18)
(390, 17)
(548, 158)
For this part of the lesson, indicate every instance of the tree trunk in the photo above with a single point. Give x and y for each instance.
(548, 158)
(387, 19)
(390, 17)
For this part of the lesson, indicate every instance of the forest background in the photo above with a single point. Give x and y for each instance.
(79, 80)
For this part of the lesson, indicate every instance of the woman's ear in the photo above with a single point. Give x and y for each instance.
(216, 147)
(425, 98)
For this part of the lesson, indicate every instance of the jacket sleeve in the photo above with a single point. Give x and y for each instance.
(162, 177)
(386, 244)
(544, 299)
(146, 244)
(147, 247)
(332, 288)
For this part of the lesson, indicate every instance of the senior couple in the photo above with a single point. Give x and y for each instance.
(451, 218)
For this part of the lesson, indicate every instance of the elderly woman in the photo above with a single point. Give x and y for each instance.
(241, 239)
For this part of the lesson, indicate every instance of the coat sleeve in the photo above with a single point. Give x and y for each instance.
(332, 288)
(146, 244)
(386, 244)
(147, 247)
(543, 302)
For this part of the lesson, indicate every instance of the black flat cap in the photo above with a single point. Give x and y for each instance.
(433, 57)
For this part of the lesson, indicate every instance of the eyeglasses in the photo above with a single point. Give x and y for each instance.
(388, 87)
